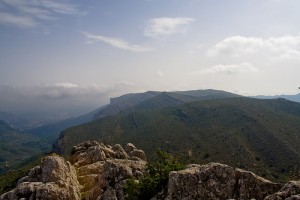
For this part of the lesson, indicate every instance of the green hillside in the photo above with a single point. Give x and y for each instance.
(258, 135)
(154, 99)
(16, 146)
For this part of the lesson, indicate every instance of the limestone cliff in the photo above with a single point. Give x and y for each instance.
(98, 171)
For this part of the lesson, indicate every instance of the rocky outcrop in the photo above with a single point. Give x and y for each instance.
(290, 191)
(103, 170)
(100, 172)
(218, 181)
(54, 179)
(95, 171)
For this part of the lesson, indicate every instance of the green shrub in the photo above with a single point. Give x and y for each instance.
(155, 180)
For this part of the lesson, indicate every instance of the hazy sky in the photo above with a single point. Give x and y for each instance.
(53, 51)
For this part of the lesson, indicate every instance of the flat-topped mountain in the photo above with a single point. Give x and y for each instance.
(155, 99)
(257, 135)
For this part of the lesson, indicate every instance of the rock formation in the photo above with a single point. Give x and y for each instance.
(102, 170)
(95, 171)
(218, 181)
(54, 179)
(98, 171)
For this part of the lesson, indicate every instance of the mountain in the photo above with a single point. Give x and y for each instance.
(124, 102)
(52, 130)
(16, 146)
(295, 98)
(151, 99)
(155, 99)
(259, 135)
(13, 120)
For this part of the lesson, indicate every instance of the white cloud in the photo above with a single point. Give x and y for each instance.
(65, 85)
(60, 97)
(285, 47)
(160, 73)
(18, 21)
(115, 42)
(166, 26)
(62, 8)
(230, 69)
(30, 13)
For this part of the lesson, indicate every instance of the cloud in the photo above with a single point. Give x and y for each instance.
(115, 42)
(160, 73)
(18, 21)
(285, 47)
(230, 69)
(65, 85)
(164, 26)
(31, 13)
(59, 99)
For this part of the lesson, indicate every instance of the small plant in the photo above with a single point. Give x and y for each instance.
(155, 180)
(54, 154)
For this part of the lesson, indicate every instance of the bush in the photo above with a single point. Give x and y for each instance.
(155, 180)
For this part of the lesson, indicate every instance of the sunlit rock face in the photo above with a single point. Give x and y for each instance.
(95, 171)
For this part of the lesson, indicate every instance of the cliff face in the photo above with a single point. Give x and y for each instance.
(98, 171)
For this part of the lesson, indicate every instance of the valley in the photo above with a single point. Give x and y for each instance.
(199, 126)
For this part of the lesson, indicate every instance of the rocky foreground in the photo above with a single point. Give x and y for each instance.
(98, 171)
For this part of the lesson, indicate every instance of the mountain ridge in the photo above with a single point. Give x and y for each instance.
(259, 135)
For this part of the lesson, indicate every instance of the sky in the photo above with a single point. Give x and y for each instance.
(72, 56)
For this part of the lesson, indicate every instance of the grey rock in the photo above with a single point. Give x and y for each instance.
(129, 148)
(218, 181)
(54, 179)
(291, 190)
(211, 181)
(120, 152)
(136, 153)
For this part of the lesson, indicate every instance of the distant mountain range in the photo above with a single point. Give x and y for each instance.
(295, 97)
(201, 126)
(118, 104)
(197, 125)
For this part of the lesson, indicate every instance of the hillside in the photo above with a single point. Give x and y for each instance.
(155, 99)
(258, 135)
(16, 146)
(49, 132)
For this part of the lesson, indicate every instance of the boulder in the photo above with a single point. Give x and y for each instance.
(211, 181)
(54, 179)
(218, 181)
(250, 186)
(289, 191)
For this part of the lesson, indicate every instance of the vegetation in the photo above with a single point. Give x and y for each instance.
(9, 179)
(156, 180)
(257, 135)
(16, 146)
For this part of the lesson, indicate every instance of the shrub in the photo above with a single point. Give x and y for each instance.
(155, 180)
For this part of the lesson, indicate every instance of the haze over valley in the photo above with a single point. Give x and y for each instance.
(98, 90)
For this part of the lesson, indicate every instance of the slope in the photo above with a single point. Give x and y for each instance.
(259, 135)
(155, 99)
(15, 146)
